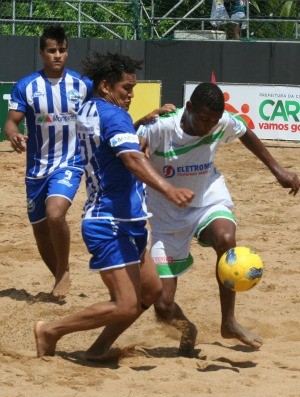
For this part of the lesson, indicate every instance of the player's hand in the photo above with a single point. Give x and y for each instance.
(165, 109)
(180, 196)
(18, 143)
(289, 180)
(144, 146)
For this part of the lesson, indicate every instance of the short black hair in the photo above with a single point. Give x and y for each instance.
(208, 95)
(108, 67)
(53, 32)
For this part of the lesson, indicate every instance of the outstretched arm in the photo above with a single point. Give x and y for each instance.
(288, 180)
(12, 132)
(167, 108)
(138, 164)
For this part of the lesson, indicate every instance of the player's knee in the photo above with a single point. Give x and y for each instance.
(225, 242)
(55, 217)
(152, 296)
(164, 307)
(128, 311)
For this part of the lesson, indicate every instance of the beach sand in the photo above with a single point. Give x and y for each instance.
(146, 363)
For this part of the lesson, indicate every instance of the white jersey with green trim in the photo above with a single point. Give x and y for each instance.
(184, 160)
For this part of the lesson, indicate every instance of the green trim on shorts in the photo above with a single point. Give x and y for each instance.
(204, 141)
(176, 268)
(212, 217)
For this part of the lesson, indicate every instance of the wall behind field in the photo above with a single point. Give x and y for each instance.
(172, 62)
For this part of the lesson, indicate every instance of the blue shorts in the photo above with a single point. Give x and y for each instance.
(64, 183)
(114, 244)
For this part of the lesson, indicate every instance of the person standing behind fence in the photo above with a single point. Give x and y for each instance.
(49, 100)
(236, 10)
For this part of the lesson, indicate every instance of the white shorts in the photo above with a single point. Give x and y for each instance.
(170, 246)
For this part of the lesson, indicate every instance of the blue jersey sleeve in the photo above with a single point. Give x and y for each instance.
(18, 98)
(118, 131)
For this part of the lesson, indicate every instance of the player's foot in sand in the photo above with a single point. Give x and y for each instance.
(188, 339)
(107, 355)
(234, 330)
(45, 343)
(62, 286)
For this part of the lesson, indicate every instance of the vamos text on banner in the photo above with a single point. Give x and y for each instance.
(271, 111)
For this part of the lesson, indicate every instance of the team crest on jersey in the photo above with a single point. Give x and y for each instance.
(168, 171)
(30, 205)
(73, 96)
(37, 94)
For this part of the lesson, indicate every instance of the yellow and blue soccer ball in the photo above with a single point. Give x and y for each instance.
(240, 268)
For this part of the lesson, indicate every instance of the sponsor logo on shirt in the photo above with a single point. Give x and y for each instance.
(73, 96)
(60, 118)
(187, 170)
(37, 94)
(168, 171)
(119, 139)
(194, 169)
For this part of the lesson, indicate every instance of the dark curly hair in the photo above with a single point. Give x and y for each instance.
(53, 32)
(209, 95)
(108, 67)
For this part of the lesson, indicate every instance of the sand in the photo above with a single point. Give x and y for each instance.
(268, 221)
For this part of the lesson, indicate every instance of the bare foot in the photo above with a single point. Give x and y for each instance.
(188, 337)
(62, 286)
(45, 345)
(110, 354)
(234, 330)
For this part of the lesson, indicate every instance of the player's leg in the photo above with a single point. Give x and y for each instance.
(171, 313)
(62, 187)
(170, 252)
(220, 234)
(150, 291)
(41, 233)
(36, 210)
(56, 210)
(124, 288)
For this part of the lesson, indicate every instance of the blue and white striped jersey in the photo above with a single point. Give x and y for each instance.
(105, 131)
(50, 107)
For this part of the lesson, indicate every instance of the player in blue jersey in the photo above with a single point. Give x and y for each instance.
(49, 100)
(114, 221)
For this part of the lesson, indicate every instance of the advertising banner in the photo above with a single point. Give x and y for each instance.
(147, 97)
(271, 111)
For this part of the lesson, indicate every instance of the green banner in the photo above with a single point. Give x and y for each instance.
(5, 90)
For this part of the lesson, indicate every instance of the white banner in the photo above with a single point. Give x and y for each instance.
(271, 111)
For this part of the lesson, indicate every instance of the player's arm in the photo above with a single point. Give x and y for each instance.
(12, 133)
(286, 179)
(137, 163)
(166, 108)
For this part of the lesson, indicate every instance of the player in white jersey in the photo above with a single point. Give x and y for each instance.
(115, 216)
(182, 148)
(50, 99)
